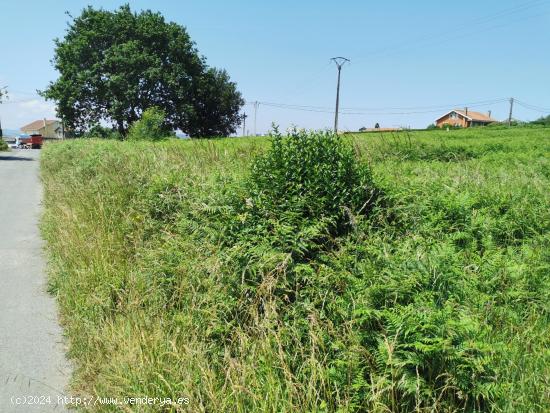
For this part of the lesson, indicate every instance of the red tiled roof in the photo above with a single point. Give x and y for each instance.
(477, 116)
(37, 124)
(473, 116)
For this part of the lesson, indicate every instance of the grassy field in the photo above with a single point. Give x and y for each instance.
(175, 280)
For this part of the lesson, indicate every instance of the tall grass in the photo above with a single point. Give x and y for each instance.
(175, 280)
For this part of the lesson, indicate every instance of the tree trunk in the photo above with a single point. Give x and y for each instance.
(120, 127)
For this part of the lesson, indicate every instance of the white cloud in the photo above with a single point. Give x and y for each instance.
(36, 105)
(20, 110)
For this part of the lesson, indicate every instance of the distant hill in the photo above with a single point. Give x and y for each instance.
(11, 132)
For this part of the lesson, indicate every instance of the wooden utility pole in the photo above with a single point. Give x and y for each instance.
(510, 114)
(2, 94)
(244, 123)
(340, 61)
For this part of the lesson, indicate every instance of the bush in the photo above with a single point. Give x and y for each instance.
(151, 126)
(303, 194)
(311, 176)
(3, 145)
(307, 191)
(449, 126)
(101, 132)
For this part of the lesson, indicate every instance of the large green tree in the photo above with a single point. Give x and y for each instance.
(114, 65)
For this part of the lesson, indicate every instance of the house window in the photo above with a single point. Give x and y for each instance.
(453, 115)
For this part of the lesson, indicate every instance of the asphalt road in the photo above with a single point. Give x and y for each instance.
(33, 367)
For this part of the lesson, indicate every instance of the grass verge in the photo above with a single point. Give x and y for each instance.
(174, 280)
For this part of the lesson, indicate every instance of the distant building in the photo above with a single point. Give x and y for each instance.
(464, 118)
(50, 129)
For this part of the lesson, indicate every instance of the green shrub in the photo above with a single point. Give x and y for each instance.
(101, 132)
(3, 145)
(307, 189)
(151, 126)
(306, 182)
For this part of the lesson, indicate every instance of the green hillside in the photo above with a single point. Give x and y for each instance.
(374, 272)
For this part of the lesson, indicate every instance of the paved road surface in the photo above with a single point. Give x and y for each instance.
(32, 361)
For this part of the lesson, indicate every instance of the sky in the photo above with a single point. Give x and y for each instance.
(410, 62)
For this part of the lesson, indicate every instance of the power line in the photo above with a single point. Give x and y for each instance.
(404, 108)
(20, 92)
(9, 102)
(310, 81)
(319, 109)
(456, 33)
(381, 111)
(351, 113)
(533, 107)
(477, 103)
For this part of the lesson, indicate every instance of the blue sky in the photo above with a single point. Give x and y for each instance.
(422, 58)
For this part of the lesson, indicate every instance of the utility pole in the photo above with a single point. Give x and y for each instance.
(62, 128)
(510, 115)
(244, 123)
(256, 104)
(340, 61)
(2, 94)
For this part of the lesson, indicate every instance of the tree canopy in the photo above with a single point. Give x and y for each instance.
(114, 65)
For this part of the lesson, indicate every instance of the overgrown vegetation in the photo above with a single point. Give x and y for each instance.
(403, 272)
(101, 132)
(150, 127)
(3, 145)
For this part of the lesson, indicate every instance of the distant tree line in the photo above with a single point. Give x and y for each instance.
(114, 65)
(543, 120)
